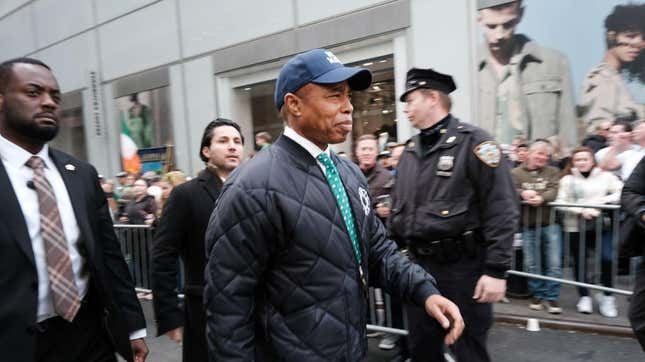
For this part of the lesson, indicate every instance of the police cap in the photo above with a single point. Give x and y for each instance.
(429, 79)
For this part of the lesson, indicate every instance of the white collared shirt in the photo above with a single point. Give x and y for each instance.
(313, 150)
(14, 159)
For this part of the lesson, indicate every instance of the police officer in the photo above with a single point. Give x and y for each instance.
(455, 208)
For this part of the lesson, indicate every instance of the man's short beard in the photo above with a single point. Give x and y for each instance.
(43, 134)
(29, 130)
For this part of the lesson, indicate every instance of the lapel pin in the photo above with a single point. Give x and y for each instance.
(450, 139)
(70, 167)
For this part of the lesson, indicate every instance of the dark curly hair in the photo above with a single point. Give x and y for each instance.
(626, 18)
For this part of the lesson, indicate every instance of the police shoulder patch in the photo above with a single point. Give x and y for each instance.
(488, 152)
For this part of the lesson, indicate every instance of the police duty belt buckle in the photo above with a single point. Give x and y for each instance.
(445, 165)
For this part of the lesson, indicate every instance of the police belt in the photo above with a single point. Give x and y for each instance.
(446, 250)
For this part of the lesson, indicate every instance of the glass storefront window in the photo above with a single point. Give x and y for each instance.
(71, 133)
(374, 108)
(144, 119)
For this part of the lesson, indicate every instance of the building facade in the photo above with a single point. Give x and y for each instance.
(147, 73)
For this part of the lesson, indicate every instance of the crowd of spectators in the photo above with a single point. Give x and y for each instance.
(139, 199)
(593, 174)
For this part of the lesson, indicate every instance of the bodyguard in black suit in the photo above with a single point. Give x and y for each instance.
(180, 233)
(67, 294)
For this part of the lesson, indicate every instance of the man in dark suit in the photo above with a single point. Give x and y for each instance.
(67, 293)
(181, 234)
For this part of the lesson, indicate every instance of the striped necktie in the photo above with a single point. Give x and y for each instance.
(59, 264)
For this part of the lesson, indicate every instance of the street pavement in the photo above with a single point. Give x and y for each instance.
(507, 343)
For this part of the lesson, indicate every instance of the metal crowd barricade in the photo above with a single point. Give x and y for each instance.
(561, 209)
(557, 212)
(135, 243)
(136, 240)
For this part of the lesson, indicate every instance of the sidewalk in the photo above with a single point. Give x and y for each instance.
(517, 311)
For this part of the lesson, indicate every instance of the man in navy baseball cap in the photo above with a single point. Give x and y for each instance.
(294, 240)
(318, 66)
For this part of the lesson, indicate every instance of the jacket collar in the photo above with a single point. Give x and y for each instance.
(528, 49)
(210, 182)
(309, 146)
(594, 172)
(451, 137)
(300, 157)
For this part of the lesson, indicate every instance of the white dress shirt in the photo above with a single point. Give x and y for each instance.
(307, 145)
(14, 159)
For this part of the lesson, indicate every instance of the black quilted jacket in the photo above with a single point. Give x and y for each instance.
(282, 282)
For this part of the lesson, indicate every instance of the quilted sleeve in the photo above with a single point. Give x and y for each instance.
(238, 245)
(393, 271)
(633, 196)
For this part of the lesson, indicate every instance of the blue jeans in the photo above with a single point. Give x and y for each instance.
(542, 248)
(580, 267)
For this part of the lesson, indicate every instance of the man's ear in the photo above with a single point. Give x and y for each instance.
(293, 104)
(205, 150)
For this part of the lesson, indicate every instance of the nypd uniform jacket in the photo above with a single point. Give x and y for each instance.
(460, 184)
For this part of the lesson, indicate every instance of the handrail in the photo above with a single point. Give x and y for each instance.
(132, 226)
(595, 206)
(572, 204)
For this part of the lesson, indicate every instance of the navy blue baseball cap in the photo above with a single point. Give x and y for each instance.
(318, 66)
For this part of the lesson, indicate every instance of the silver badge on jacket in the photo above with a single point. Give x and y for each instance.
(445, 165)
(365, 200)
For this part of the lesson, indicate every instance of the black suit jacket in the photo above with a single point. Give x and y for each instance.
(104, 261)
(180, 233)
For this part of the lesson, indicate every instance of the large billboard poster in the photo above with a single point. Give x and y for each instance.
(559, 68)
(145, 124)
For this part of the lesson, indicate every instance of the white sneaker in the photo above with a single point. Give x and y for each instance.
(607, 305)
(585, 305)
(388, 342)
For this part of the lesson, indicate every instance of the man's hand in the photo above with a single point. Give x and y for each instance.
(176, 334)
(528, 194)
(536, 200)
(139, 350)
(447, 314)
(489, 289)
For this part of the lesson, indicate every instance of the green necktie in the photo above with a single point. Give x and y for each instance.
(338, 190)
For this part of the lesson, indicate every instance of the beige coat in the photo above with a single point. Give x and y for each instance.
(605, 96)
(547, 92)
